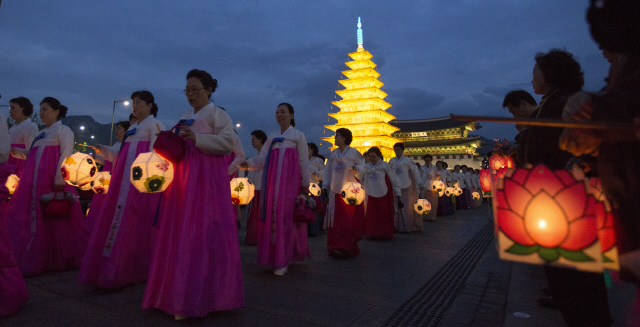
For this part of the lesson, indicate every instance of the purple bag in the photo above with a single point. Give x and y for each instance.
(303, 213)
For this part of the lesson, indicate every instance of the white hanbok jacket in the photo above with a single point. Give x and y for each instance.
(338, 172)
(402, 167)
(316, 166)
(240, 157)
(23, 133)
(374, 181)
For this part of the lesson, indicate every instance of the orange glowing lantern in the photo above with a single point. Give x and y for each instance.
(475, 195)
(485, 180)
(438, 186)
(546, 217)
(497, 161)
(242, 191)
(606, 233)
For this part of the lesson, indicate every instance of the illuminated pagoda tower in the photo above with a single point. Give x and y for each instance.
(362, 108)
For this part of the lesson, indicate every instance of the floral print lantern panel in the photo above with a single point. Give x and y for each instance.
(151, 173)
(242, 191)
(353, 193)
(314, 189)
(422, 206)
(606, 233)
(78, 169)
(438, 186)
(475, 195)
(450, 191)
(100, 183)
(546, 217)
(458, 191)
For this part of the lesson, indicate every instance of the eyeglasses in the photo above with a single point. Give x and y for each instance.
(194, 91)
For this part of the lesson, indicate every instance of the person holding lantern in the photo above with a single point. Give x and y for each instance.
(380, 185)
(258, 138)
(470, 186)
(23, 132)
(13, 290)
(119, 250)
(195, 265)
(460, 181)
(344, 222)
(428, 173)
(285, 163)
(234, 160)
(445, 206)
(44, 240)
(316, 170)
(406, 219)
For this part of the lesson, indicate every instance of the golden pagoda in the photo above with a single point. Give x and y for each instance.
(362, 108)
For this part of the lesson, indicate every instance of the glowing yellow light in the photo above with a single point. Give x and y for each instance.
(542, 224)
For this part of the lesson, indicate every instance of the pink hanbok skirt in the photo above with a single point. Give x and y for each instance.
(19, 163)
(46, 244)
(378, 221)
(252, 220)
(280, 240)
(195, 265)
(130, 249)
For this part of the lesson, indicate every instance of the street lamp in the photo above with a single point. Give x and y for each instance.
(82, 128)
(237, 124)
(113, 114)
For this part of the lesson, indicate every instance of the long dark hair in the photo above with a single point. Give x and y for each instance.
(147, 97)
(314, 149)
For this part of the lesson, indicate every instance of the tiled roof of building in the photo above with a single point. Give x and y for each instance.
(421, 125)
(420, 144)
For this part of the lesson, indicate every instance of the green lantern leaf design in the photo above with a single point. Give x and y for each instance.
(352, 201)
(154, 183)
(239, 188)
(137, 173)
(548, 255)
(522, 249)
(606, 259)
(576, 256)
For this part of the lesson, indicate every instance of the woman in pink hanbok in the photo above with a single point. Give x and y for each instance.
(23, 132)
(195, 266)
(285, 163)
(13, 289)
(258, 138)
(106, 158)
(119, 250)
(41, 242)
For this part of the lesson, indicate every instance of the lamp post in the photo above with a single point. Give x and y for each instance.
(113, 114)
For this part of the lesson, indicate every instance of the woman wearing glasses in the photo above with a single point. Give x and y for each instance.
(195, 263)
(119, 249)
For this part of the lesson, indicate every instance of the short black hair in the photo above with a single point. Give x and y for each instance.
(427, 156)
(205, 78)
(346, 133)
(56, 105)
(260, 135)
(314, 149)
(147, 97)
(131, 116)
(125, 124)
(513, 98)
(560, 70)
(376, 150)
(399, 145)
(25, 104)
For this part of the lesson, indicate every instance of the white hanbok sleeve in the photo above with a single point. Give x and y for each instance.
(320, 167)
(30, 134)
(393, 178)
(153, 131)
(109, 153)
(221, 142)
(303, 158)
(328, 169)
(5, 141)
(240, 157)
(415, 173)
(65, 139)
(257, 162)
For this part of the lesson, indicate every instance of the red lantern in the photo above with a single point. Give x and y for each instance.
(485, 180)
(606, 233)
(510, 163)
(497, 161)
(546, 217)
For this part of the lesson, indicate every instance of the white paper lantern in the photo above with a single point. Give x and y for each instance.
(438, 186)
(422, 206)
(458, 191)
(151, 173)
(242, 191)
(450, 191)
(353, 193)
(100, 183)
(314, 189)
(85, 187)
(12, 183)
(78, 169)
(475, 195)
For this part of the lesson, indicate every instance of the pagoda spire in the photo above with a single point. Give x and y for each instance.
(359, 33)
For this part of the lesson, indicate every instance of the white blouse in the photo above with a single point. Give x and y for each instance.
(460, 179)
(445, 176)
(316, 166)
(213, 129)
(473, 183)
(240, 157)
(292, 139)
(23, 133)
(338, 172)
(374, 181)
(428, 175)
(402, 167)
(255, 177)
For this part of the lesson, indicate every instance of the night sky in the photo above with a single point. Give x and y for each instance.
(435, 57)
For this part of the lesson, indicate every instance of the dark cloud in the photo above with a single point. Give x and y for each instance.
(410, 100)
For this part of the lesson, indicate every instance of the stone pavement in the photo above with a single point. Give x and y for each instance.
(325, 291)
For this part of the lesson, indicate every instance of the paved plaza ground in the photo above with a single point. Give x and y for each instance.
(448, 275)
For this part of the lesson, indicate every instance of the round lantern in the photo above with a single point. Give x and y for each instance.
(422, 206)
(241, 191)
(12, 183)
(100, 183)
(85, 187)
(485, 180)
(78, 169)
(353, 194)
(475, 195)
(449, 191)
(438, 186)
(458, 191)
(151, 173)
(314, 189)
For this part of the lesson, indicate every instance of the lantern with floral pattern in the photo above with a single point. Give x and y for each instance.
(78, 169)
(450, 191)
(314, 189)
(485, 180)
(242, 191)
(422, 206)
(475, 195)
(606, 232)
(353, 193)
(458, 191)
(100, 183)
(151, 173)
(12, 183)
(438, 186)
(546, 217)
